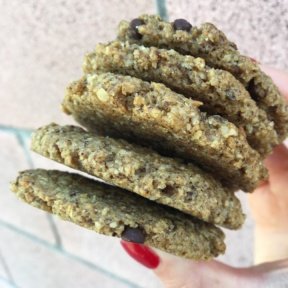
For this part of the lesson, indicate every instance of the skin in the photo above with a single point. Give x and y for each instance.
(269, 206)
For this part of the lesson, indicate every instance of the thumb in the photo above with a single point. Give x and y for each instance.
(277, 164)
(176, 272)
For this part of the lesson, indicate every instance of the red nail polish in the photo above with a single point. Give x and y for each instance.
(142, 254)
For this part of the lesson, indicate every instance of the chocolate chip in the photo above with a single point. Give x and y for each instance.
(72, 193)
(233, 45)
(136, 235)
(236, 69)
(182, 24)
(166, 106)
(134, 28)
(141, 170)
(251, 87)
(189, 196)
(168, 190)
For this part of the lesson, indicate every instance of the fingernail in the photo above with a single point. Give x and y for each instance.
(142, 254)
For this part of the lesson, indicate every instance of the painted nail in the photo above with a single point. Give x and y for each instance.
(142, 254)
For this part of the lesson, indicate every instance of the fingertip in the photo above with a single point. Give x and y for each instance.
(278, 159)
(142, 254)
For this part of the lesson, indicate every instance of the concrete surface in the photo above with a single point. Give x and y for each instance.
(42, 47)
(43, 266)
(13, 211)
(3, 269)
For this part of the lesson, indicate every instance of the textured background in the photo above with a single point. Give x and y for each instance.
(42, 46)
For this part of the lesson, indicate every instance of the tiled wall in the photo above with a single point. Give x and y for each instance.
(42, 44)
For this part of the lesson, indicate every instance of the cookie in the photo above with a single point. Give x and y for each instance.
(219, 91)
(205, 41)
(114, 212)
(209, 43)
(264, 91)
(144, 112)
(164, 180)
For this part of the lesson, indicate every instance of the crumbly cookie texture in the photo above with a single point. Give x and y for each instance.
(144, 112)
(212, 45)
(112, 211)
(205, 41)
(219, 91)
(264, 91)
(164, 180)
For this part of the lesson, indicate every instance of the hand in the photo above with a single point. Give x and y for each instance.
(269, 202)
(269, 205)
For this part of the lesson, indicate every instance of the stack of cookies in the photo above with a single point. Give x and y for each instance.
(177, 120)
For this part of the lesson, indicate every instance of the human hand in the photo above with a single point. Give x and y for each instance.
(269, 205)
(269, 202)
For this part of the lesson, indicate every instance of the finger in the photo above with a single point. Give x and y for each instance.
(280, 78)
(270, 199)
(278, 160)
(177, 272)
(273, 274)
(272, 266)
(142, 254)
(277, 164)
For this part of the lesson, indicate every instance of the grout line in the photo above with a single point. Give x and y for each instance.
(161, 9)
(22, 136)
(21, 139)
(55, 231)
(7, 270)
(12, 129)
(11, 285)
(65, 253)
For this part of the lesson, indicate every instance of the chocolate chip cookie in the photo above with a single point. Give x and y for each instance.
(114, 212)
(211, 44)
(141, 170)
(144, 112)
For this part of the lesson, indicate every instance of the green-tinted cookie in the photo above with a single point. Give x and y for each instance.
(209, 43)
(112, 211)
(150, 113)
(219, 91)
(164, 180)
